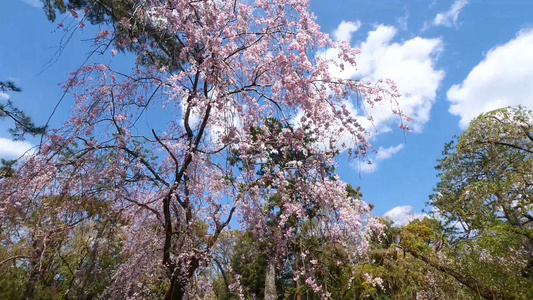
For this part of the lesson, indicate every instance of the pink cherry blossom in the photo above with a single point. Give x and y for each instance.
(184, 150)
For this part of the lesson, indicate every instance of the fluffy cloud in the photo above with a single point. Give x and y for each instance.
(386, 153)
(345, 30)
(502, 79)
(402, 215)
(449, 17)
(13, 149)
(411, 64)
(381, 155)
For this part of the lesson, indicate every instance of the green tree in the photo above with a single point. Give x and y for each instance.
(58, 252)
(485, 194)
(487, 179)
(423, 261)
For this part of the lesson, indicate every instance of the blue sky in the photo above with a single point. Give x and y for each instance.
(452, 59)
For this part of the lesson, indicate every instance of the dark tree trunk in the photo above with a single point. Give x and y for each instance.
(176, 291)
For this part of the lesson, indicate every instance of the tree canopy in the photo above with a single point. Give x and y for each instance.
(484, 194)
(228, 116)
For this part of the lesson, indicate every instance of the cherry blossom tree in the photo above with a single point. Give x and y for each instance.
(183, 149)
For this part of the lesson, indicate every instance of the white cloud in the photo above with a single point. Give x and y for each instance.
(449, 17)
(345, 30)
(381, 155)
(402, 215)
(411, 64)
(502, 79)
(386, 153)
(34, 3)
(10, 149)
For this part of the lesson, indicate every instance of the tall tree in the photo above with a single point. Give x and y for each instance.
(294, 227)
(485, 191)
(157, 143)
(486, 179)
